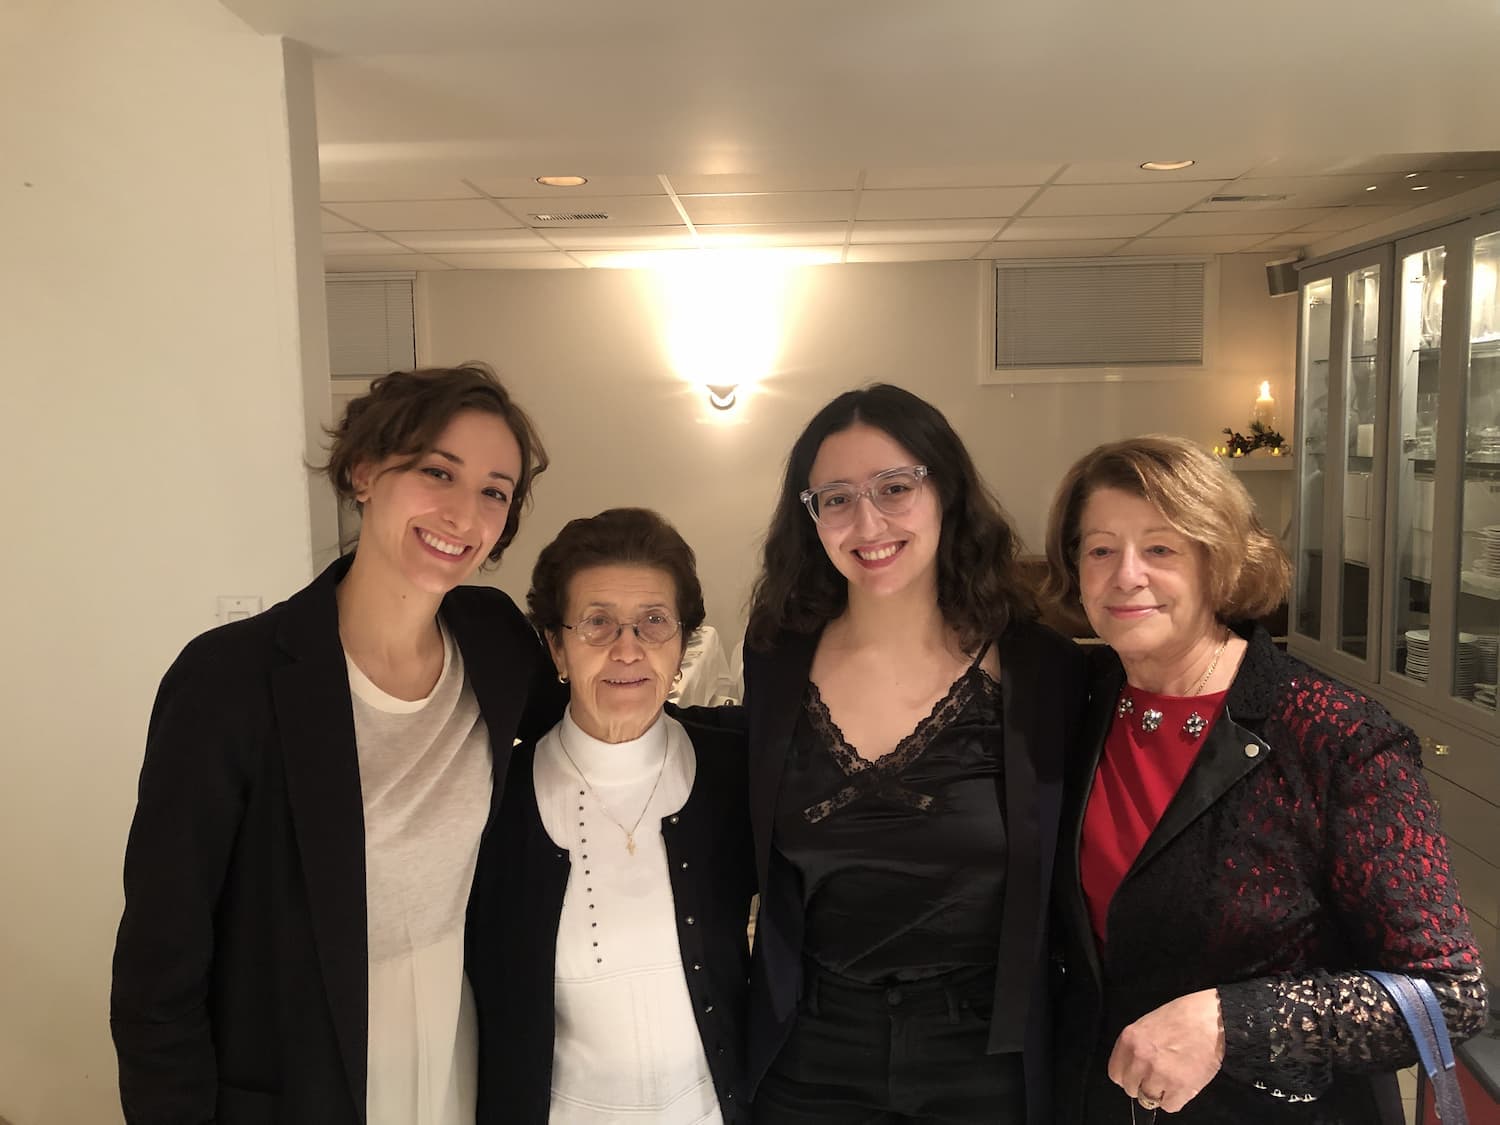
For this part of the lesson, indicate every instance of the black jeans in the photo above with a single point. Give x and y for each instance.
(875, 1055)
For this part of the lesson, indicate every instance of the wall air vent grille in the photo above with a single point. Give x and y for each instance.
(1113, 314)
(570, 216)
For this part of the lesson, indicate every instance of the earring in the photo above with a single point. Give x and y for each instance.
(677, 679)
(562, 678)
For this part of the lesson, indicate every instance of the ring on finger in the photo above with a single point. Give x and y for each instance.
(1148, 1102)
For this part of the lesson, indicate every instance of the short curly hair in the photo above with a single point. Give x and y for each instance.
(1248, 572)
(405, 412)
(615, 537)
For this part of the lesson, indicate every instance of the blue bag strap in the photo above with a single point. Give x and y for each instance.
(1418, 1005)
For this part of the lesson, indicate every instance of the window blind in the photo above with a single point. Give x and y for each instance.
(1099, 314)
(371, 326)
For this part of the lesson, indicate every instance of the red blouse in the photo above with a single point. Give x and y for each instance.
(1140, 772)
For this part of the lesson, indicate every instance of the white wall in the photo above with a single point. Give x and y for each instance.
(584, 353)
(153, 401)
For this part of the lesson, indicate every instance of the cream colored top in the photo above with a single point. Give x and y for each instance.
(425, 776)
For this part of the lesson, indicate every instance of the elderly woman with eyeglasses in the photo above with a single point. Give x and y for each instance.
(907, 720)
(607, 938)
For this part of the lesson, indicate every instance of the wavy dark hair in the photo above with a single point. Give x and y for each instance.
(980, 586)
(405, 412)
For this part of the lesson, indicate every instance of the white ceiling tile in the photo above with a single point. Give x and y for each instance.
(630, 259)
(468, 241)
(770, 207)
(1131, 172)
(1012, 174)
(1396, 162)
(914, 252)
(361, 242)
(932, 230)
(1208, 244)
(1074, 248)
(380, 263)
(1120, 199)
(526, 187)
(943, 203)
(332, 224)
(453, 214)
(1348, 218)
(774, 234)
(623, 210)
(1080, 226)
(367, 191)
(1260, 221)
(621, 238)
(733, 183)
(520, 260)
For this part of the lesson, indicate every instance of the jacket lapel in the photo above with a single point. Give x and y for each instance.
(500, 678)
(1104, 689)
(315, 718)
(1221, 763)
(780, 678)
(1225, 756)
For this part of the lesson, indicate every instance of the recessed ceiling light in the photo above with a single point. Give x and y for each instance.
(1411, 175)
(1167, 165)
(1372, 187)
(1420, 187)
(562, 181)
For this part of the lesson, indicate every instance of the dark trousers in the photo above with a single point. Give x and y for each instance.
(875, 1055)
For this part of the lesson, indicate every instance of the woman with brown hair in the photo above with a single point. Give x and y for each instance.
(315, 784)
(907, 721)
(1244, 836)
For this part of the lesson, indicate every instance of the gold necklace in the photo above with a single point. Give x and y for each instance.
(629, 832)
(1151, 718)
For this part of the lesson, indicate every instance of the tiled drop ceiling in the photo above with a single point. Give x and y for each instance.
(1089, 209)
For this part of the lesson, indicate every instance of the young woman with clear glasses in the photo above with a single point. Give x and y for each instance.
(907, 720)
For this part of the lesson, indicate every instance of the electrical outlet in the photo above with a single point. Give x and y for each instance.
(238, 607)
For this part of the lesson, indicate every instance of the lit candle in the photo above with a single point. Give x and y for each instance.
(1264, 411)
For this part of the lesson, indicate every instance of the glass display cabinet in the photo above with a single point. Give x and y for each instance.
(1397, 551)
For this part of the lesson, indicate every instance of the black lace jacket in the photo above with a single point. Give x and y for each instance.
(1302, 848)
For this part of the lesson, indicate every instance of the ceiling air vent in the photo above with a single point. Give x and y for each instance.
(569, 216)
(1246, 198)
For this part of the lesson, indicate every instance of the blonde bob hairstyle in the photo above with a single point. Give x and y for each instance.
(1248, 572)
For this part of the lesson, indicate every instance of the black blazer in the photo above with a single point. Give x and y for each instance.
(1283, 866)
(1042, 685)
(517, 903)
(240, 991)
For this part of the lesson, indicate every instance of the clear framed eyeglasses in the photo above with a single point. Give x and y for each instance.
(654, 627)
(893, 492)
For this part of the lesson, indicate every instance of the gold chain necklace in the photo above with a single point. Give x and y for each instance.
(1151, 718)
(629, 832)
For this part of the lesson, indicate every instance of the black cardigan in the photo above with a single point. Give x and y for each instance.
(1302, 847)
(240, 970)
(517, 903)
(1042, 683)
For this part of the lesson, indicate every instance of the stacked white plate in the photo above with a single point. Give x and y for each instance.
(1488, 645)
(1489, 562)
(1470, 666)
(1416, 653)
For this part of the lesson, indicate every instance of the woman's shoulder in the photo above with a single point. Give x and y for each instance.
(1035, 641)
(487, 604)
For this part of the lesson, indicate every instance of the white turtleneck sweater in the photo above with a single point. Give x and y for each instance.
(627, 1046)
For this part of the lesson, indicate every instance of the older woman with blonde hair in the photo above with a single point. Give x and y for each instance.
(1244, 837)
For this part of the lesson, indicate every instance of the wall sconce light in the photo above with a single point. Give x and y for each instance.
(721, 396)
